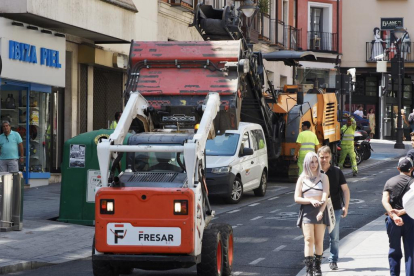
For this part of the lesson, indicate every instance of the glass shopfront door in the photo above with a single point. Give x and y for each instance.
(26, 106)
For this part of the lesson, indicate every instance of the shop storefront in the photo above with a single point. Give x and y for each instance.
(33, 67)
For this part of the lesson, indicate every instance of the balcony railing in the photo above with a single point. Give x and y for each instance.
(186, 5)
(276, 33)
(386, 51)
(322, 41)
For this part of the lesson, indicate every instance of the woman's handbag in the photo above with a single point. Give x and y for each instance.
(331, 214)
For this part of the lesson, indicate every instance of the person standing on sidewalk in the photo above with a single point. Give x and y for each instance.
(306, 142)
(340, 196)
(11, 144)
(398, 223)
(411, 121)
(312, 189)
(347, 145)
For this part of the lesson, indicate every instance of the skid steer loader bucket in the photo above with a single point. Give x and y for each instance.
(217, 24)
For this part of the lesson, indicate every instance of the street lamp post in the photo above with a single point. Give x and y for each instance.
(400, 33)
(248, 8)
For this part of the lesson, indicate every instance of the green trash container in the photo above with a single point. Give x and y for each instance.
(80, 174)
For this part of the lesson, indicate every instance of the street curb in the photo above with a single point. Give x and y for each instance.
(22, 267)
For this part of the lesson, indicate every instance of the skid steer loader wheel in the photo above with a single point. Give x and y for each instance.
(101, 268)
(125, 270)
(226, 232)
(211, 254)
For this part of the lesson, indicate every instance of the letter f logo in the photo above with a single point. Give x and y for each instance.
(119, 234)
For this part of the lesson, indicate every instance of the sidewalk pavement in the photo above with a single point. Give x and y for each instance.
(46, 242)
(365, 251)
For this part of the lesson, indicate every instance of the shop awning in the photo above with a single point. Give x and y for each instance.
(290, 58)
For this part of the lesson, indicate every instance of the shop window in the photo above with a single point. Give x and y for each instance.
(371, 86)
(28, 114)
(360, 85)
(407, 89)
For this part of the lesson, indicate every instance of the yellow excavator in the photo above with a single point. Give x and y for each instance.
(294, 106)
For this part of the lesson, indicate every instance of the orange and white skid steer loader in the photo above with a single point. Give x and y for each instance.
(156, 215)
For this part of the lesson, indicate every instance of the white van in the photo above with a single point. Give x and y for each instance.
(237, 163)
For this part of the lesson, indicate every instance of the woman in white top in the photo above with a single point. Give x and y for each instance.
(312, 190)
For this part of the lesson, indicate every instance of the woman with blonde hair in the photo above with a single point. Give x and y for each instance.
(312, 190)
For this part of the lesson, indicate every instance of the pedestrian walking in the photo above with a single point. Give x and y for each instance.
(399, 225)
(11, 144)
(371, 118)
(347, 144)
(312, 189)
(115, 122)
(340, 196)
(307, 141)
(411, 121)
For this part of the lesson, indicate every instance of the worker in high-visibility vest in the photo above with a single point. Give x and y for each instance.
(306, 142)
(115, 123)
(347, 144)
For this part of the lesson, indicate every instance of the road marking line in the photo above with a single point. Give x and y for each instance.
(273, 198)
(234, 211)
(254, 204)
(257, 261)
(235, 226)
(298, 238)
(362, 191)
(290, 192)
(214, 218)
(291, 205)
(256, 218)
(381, 172)
(279, 248)
(237, 273)
(274, 211)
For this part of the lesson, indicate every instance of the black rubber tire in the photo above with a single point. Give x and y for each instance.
(125, 270)
(235, 196)
(261, 190)
(367, 153)
(211, 254)
(101, 268)
(359, 157)
(226, 232)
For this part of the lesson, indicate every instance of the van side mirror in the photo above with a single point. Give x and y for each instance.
(247, 151)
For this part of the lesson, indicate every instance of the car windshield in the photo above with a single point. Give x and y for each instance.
(223, 145)
(158, 162)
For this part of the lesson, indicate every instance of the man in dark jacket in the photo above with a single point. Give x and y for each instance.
(399, 224)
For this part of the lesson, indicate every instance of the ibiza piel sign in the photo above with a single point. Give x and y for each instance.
(391, 23)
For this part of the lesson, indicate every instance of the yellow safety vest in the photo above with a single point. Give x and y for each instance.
(307, 140)
(113, 125)
(348, 133)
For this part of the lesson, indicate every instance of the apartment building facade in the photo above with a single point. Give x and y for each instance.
(368, 35)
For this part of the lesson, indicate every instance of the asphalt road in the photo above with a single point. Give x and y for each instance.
(267, 241)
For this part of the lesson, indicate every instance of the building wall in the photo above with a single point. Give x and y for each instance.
(173, 24)
(303, 17)
(145, 26)
(359, 25)
(94, 15)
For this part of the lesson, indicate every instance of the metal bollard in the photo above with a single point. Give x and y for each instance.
(6, 197)
(17, 207)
